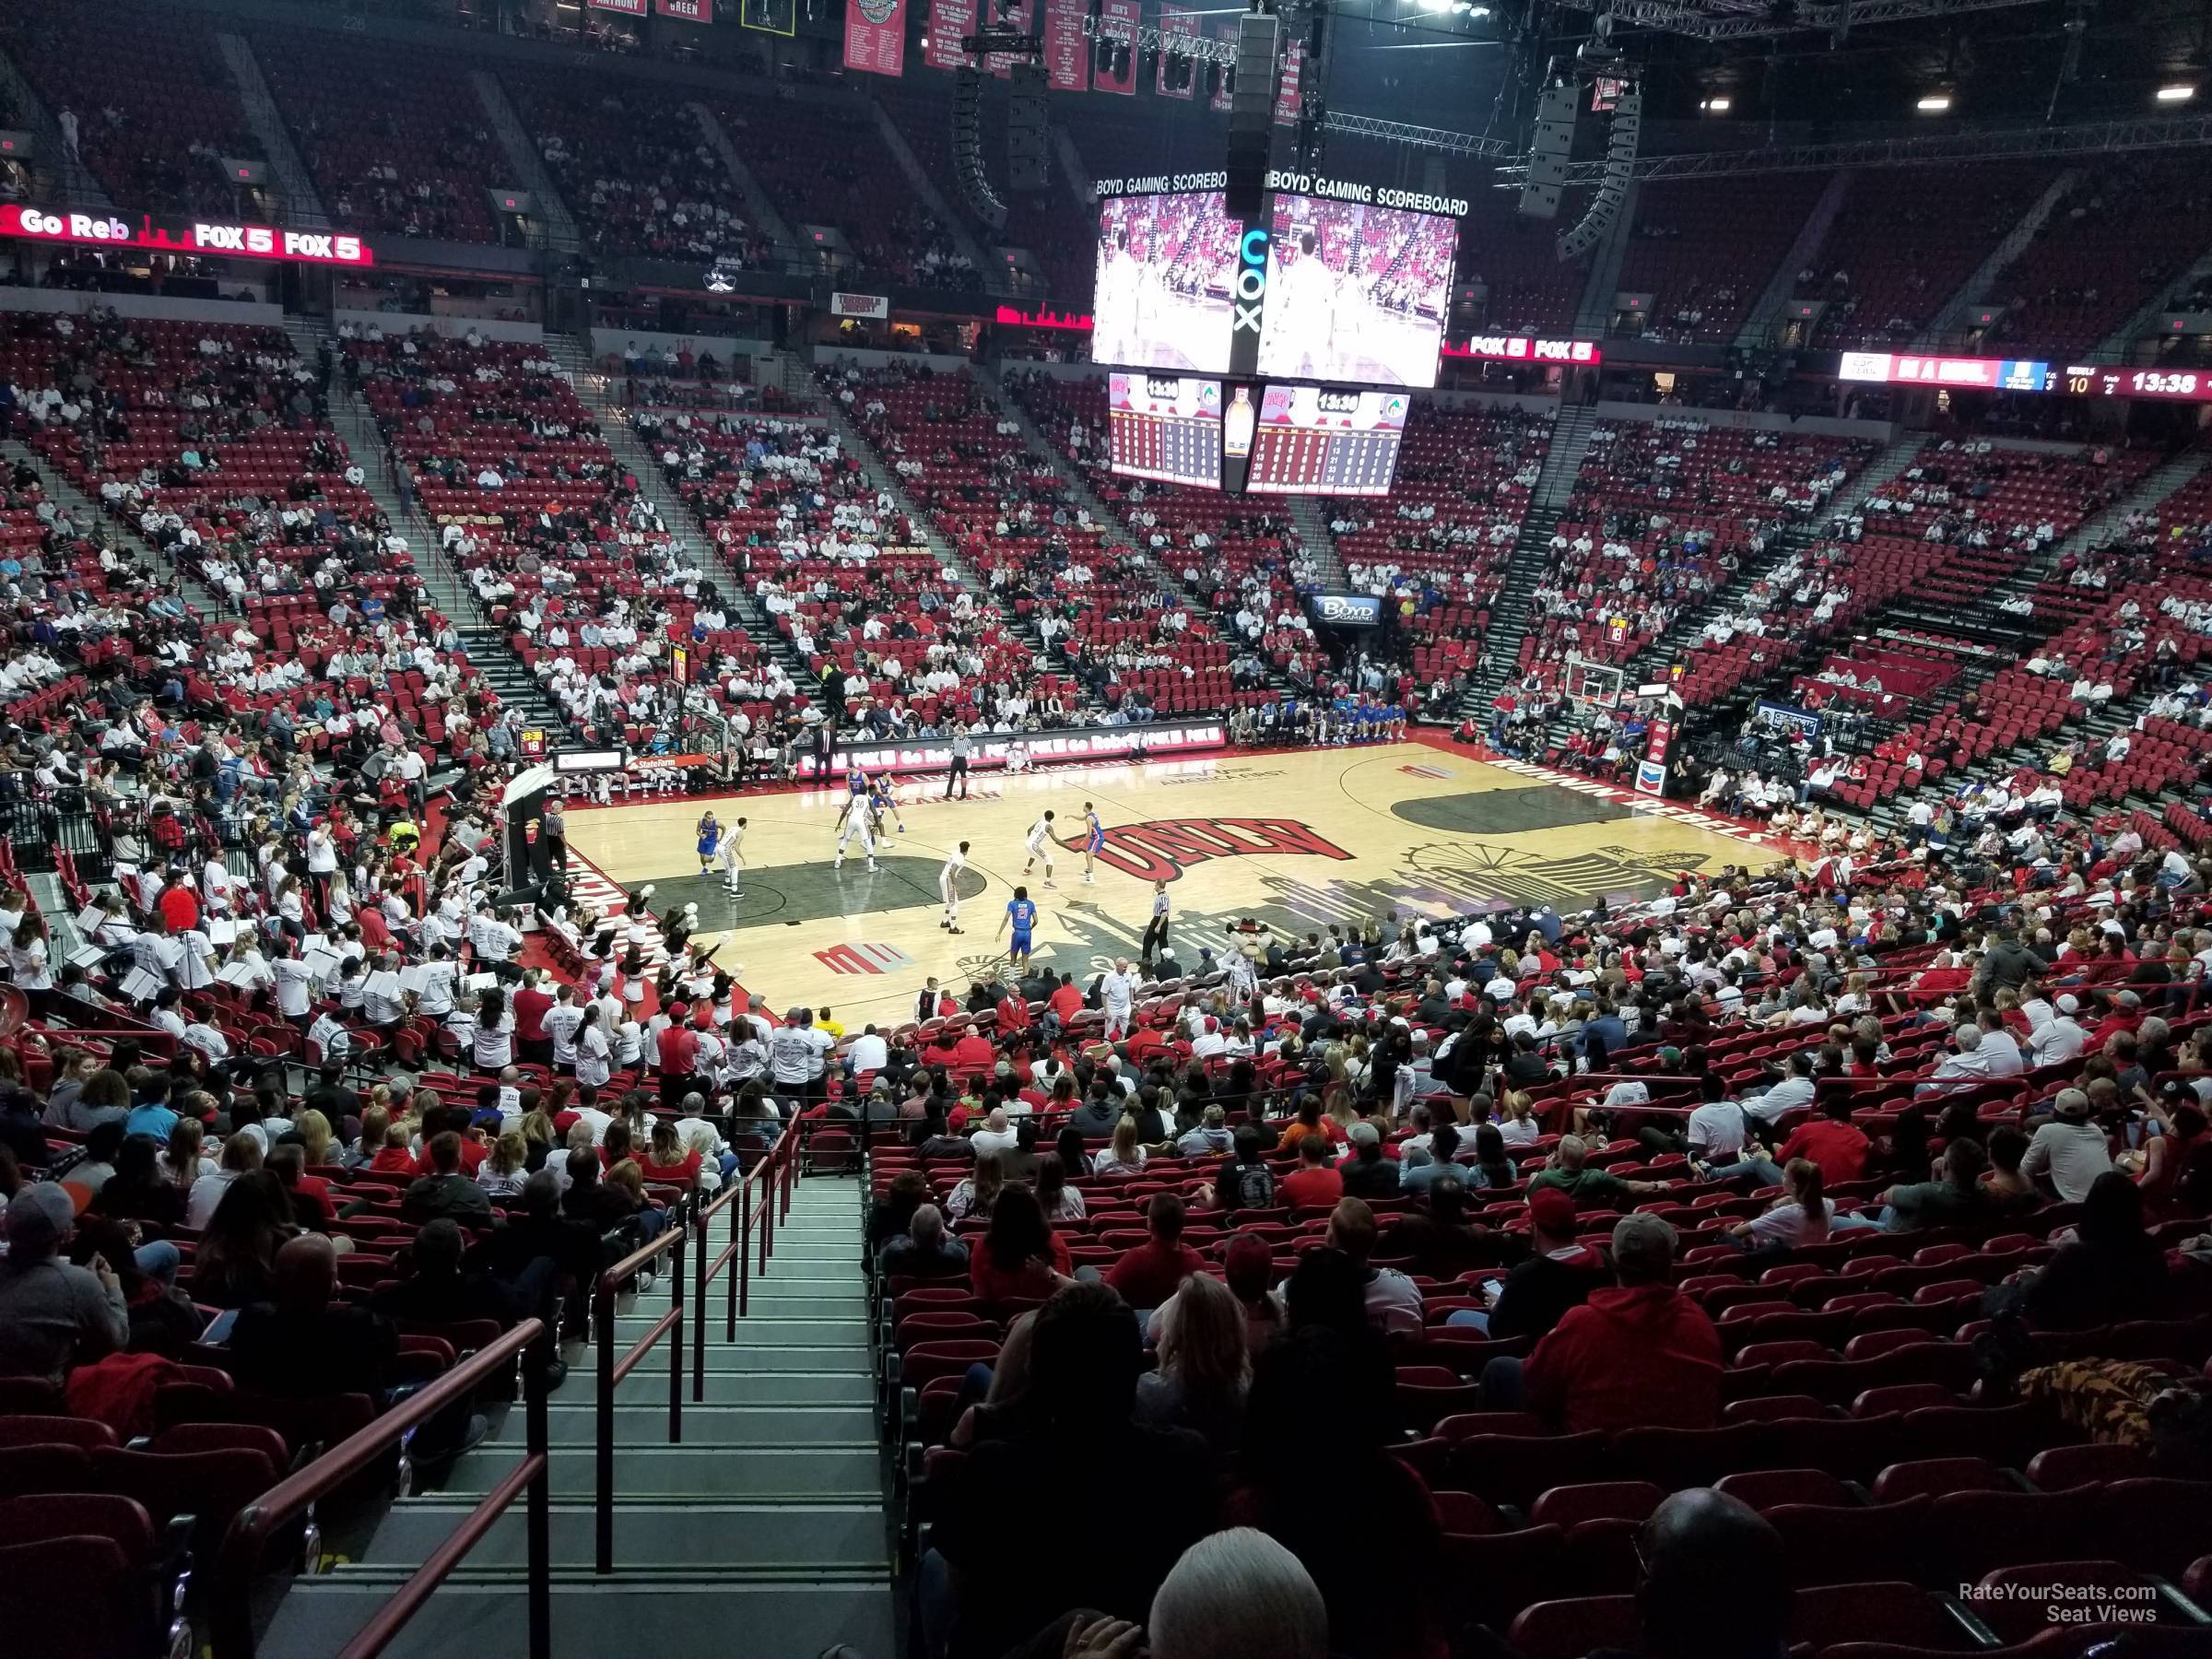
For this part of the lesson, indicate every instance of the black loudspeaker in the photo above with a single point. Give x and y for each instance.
(968, 148)
(1028, 167)
(1549, 151)
(1251, 111)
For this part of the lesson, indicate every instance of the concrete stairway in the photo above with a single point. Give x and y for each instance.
(551, 224)
(1759, 322)
(1513, 617)
(1079, 492)
(484, 646)
(764, 1532)
(1654, 661)
(765, 216)
(295, 187)
(1314, 536)
(118, 533)
(682, 519)
(1976, 288)
(69, 181)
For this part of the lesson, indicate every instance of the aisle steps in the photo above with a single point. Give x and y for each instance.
(764, 1532)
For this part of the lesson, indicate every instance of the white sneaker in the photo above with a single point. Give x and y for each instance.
(870, 866)
(839, 863)
(1089, 879)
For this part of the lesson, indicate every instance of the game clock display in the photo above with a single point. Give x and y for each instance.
(1166, 427)
(1313, 440)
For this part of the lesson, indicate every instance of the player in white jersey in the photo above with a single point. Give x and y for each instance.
(1040, 843)
(732, 857)
(948, 887)
(859, 825)
(1307, 293)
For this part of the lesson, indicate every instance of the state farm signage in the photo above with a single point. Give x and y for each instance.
(201, 237)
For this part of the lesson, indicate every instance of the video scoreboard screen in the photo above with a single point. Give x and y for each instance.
(1356, 292)
(1166, 427)
(1165, 270)
(1314, 441)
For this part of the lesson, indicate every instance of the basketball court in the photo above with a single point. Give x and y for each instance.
(1296, 838)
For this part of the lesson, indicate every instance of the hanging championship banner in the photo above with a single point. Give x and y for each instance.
(876, 35)
(1177, 25)
(1118, 22)
(1016, 15)
(950, 22)
(1286, 106)
(1066, 53)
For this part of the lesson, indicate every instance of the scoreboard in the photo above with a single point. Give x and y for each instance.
(1314, 441)
(2025, 375)
(1166, 427)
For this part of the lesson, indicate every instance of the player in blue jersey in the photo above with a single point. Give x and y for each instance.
(1021, 912)
(1094, 840)
(710, 837)
(885, 804)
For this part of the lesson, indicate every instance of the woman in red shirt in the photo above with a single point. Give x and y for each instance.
(1020, 1256)
(667, 1163)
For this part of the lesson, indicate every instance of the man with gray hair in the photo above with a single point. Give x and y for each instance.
(1234, 1594)
(1962, 1068)
(54, 1314)
(2069, 1150)
(926, 1252)
(1639, 1353)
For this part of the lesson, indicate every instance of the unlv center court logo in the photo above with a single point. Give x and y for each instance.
(1163, 849)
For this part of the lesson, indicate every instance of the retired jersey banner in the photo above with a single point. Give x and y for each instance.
(1118, 22)
(876, 35)
(1016, 16)
(687, 11)
(1224, 94)
(1178, 26)
(1286, 106)
(634, 8)
(769, 17)
(1066, 51)
(950, 22)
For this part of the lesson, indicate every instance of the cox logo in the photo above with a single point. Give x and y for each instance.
(1252, 280)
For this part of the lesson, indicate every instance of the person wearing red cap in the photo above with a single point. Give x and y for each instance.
(1558, 1274)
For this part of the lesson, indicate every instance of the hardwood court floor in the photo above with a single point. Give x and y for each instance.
(1296, 838)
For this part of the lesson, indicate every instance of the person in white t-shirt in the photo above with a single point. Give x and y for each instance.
(563, 1021)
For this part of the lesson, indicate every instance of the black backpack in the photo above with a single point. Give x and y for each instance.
(1254, 1185)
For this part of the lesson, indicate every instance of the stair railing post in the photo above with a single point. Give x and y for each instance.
(676, 1344)
(603, 1520)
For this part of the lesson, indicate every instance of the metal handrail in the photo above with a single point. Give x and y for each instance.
(756, 1201)
(612, 1371)
(744, 1216)
(240, 1556)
